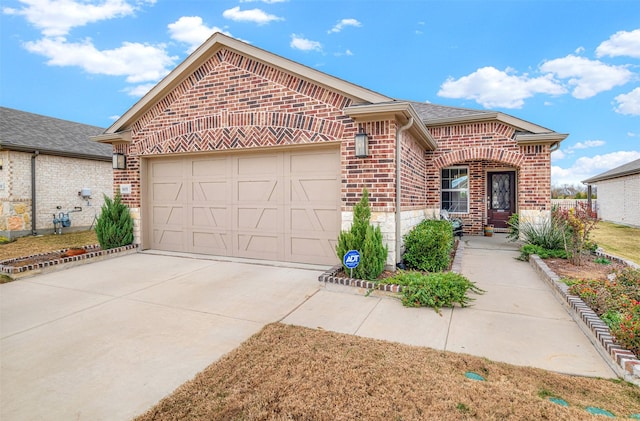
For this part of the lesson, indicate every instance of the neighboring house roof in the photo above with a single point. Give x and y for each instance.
(27, 132)
(629, 168)
(366, 103)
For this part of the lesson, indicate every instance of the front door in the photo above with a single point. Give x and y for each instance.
(501, 197)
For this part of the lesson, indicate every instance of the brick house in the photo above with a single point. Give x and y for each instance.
(62, 160)
(240, 152)
(618, 193)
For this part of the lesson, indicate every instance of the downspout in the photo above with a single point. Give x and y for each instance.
(398, 188)
(33, 192)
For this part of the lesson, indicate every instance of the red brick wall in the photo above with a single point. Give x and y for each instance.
(376, 172)
(413, 176)
(233, 102)
(487, 147)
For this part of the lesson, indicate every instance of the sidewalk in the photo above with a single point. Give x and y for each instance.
(518, 320)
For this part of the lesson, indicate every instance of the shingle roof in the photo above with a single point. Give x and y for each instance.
(29, 132)
(432, 111)
(629, 168)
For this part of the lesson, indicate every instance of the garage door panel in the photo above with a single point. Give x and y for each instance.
(211, 243)
(258, 218)
(210, 217)
(166, 169)
(257, 191)
(168, 215)
(167, 239)
(306, 249)
(314, 219)
(210, 191)
(256, 165)
(167, 192)
(258, 245)
(281, 205)
(319, 190)
(307, 162)
(212, 167)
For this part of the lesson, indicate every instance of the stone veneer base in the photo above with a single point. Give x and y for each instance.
(93, 254)
(622, 361)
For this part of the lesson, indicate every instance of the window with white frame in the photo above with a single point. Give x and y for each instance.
(454, 189)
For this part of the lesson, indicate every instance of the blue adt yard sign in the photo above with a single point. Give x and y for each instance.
(351, 260)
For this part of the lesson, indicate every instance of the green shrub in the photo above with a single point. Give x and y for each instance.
(428, 246)
(543, 253)
(435, 290)
(366, 239)
(514, 227)
(114, 227)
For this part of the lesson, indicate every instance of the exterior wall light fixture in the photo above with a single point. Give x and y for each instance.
(119, 161)
(362, 144)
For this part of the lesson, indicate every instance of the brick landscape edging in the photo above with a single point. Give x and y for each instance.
(624, 362)
(93, 253)
(331, 278)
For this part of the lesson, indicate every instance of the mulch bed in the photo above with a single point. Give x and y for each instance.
(44, 260)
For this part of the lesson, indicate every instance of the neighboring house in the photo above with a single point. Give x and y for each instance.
(240, 152)
(619, 194)
(62, 160)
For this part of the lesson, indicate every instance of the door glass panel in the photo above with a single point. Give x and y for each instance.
(500, 192)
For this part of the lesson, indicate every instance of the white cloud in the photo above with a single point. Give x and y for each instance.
(589, 77)
(252, 15)
(137, 62)
(139, 90)
(264, 1)
(347, 52)
(304, 44)
(629, 104)
(491, 87)
(579, 50)
(586, 167)
(344, 22)
(569, 150)
(192, 31)
(622, 43)
(588, 144)
(58, 17)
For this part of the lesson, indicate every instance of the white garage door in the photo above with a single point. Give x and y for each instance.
(282, 205)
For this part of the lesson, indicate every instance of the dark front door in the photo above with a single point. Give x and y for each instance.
(501, 197)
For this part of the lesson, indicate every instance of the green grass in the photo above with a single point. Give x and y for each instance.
(619, 240)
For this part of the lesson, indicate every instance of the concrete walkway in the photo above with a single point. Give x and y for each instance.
(518, 320)
(107, 340)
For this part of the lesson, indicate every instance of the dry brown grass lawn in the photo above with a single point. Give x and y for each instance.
(26, 246)
(619, 240)
(287, 372)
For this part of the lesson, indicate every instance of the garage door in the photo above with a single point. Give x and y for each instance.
(282, 205)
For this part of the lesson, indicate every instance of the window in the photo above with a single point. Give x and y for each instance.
(455, 189)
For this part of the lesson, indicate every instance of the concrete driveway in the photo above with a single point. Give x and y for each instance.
(107, 340)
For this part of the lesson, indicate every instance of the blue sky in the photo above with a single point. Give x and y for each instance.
(572, 66)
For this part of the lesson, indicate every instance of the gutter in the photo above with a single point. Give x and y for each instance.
(398, 188)
(33, 192)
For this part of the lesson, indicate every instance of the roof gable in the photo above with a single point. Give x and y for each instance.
(216, 44)
(23, 131)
